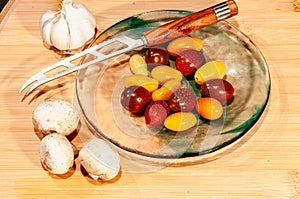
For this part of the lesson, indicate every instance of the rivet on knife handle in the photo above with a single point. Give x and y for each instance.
(190, 23)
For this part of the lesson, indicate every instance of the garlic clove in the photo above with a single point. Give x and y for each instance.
(60, 33)
(82, 29)
(99, 159)
(46, 25)
(78, 36)
(79, 32)
(87, 14)
(56, 153)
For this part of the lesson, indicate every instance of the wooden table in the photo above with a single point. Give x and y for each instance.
(263, 164)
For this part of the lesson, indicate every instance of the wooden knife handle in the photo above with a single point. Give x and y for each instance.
(191, 23)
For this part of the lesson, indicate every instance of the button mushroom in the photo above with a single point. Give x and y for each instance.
(56, 153)
(99, 159)
(55, 115)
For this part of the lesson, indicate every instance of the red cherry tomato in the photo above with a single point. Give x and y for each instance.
(135, 98)
(183, 99)
(189, 61)
(157, 55)
(219, 89)
(156, 113)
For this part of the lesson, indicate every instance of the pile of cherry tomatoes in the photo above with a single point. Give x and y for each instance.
(155, 88)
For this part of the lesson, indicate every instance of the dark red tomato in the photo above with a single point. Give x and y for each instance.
(219, 89)
(157, 55)
(189, 61)
(156, 113)
(183, 99)
(135, 98)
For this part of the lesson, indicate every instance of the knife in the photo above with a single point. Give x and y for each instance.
(149, 38)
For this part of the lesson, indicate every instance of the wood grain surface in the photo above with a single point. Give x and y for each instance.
(263, 164)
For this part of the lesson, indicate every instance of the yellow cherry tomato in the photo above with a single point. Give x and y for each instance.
(209, 108)
(166, 90)
(164, 73)
(210, 70)
(180, 121)
(141, 80)
(180, 44)
(138, 64)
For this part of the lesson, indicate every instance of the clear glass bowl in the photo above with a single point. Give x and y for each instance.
(98, 90)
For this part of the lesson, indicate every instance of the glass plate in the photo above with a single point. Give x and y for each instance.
(98, 90)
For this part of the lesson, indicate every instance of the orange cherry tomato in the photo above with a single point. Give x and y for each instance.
(209, 108)
(180, 44)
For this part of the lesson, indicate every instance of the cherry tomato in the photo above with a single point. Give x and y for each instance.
(156, 113)
(209, 108)
(135, 98)
(210, 70)
(157, 55)
(138, 64)
(189, 61)
(219, 89)
(183, 99)
(141, 80)
(176, 46)
(166, 90)
(164, 73)
(180, 121)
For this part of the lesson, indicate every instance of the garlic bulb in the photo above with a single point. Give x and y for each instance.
(68, 29)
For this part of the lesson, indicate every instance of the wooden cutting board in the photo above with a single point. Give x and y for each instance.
(263, 164)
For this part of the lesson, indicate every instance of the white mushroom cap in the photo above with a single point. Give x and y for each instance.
(55, 115)
(56, 153)
(99, 159)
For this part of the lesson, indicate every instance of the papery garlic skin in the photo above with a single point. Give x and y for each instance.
(68, 29)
